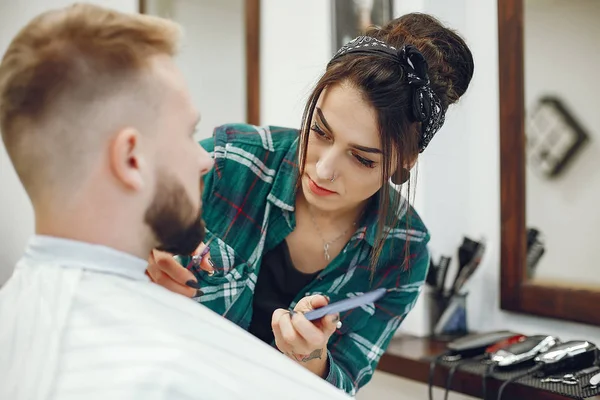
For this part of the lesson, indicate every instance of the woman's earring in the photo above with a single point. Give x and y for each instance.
(400, 176)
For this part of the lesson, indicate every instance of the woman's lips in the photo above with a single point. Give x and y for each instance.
(318, 190)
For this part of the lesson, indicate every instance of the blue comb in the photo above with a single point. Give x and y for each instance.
(346, 304)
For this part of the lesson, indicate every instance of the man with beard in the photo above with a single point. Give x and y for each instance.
(99, 126)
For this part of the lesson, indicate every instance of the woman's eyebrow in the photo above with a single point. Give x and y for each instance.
(356, 146)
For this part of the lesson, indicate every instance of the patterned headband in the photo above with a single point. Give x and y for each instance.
(427, 107)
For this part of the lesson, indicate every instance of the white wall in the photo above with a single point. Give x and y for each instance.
(565, 208)
(16, 215)
(295, 48)
(213, 58)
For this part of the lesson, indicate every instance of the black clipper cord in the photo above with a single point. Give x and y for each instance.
(516, 378)
(432, 366)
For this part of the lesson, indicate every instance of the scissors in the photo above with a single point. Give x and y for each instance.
(567, 379)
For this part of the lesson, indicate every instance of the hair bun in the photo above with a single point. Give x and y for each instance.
(449, 60)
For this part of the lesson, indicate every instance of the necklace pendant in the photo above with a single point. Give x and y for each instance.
(326, 249)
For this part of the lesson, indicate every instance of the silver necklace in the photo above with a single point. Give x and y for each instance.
(326, 244)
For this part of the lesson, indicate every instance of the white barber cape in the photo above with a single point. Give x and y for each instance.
(79, 321)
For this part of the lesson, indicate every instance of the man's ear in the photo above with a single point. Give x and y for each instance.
(126, 158)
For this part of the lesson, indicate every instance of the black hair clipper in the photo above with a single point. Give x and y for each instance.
(524, 351)
(568, 356)
(476, 344)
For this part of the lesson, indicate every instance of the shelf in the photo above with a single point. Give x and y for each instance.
(409, 357)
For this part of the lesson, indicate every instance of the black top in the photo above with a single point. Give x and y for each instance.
(277, 285)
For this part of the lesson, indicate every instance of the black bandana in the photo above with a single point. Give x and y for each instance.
(427, 107)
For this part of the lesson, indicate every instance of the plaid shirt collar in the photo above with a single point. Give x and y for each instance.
(281, 195)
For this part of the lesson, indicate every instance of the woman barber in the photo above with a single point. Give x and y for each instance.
(297, 219)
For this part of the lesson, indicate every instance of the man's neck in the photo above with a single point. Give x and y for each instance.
(94, 227)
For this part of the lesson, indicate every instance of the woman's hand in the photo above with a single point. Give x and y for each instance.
(303, 340)
(164, 270)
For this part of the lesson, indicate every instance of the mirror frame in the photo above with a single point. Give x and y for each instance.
(252, 33)
(516, 293)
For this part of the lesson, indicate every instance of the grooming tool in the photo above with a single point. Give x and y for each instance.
(195, 259)
(535, 250)
(476, 348)
(432, 275)
(472, 348)
(442, 272)
(524, 351)
(567, 379)
(476, 344)
(505, 343)
(466, 270)
(594, 381)
(346, 304)
(466, 253)
(490, 351)
(568, 356)
(573, 378)
(586, 371)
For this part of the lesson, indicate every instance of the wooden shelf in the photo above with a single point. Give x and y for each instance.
(408, 357)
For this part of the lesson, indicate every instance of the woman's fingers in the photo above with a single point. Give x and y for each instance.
(315, 331)
(167, 282)
(315, 337)
(280, 342)
(164, 270)
(169, 265)
(290, 337)
(310, 303)
(201, 257)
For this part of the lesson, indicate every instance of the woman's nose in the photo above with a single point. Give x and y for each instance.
(326, 166)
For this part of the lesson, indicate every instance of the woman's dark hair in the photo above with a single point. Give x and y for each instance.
(382, 82)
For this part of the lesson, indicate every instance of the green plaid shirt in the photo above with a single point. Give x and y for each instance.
(248, 204)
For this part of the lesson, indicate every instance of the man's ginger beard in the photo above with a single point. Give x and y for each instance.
(172, 220)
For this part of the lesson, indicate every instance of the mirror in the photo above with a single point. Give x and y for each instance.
(562, 130)
(219, 57)
(550, 157)
(353, 18)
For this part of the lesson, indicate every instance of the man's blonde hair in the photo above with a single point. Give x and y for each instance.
(75, 55)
